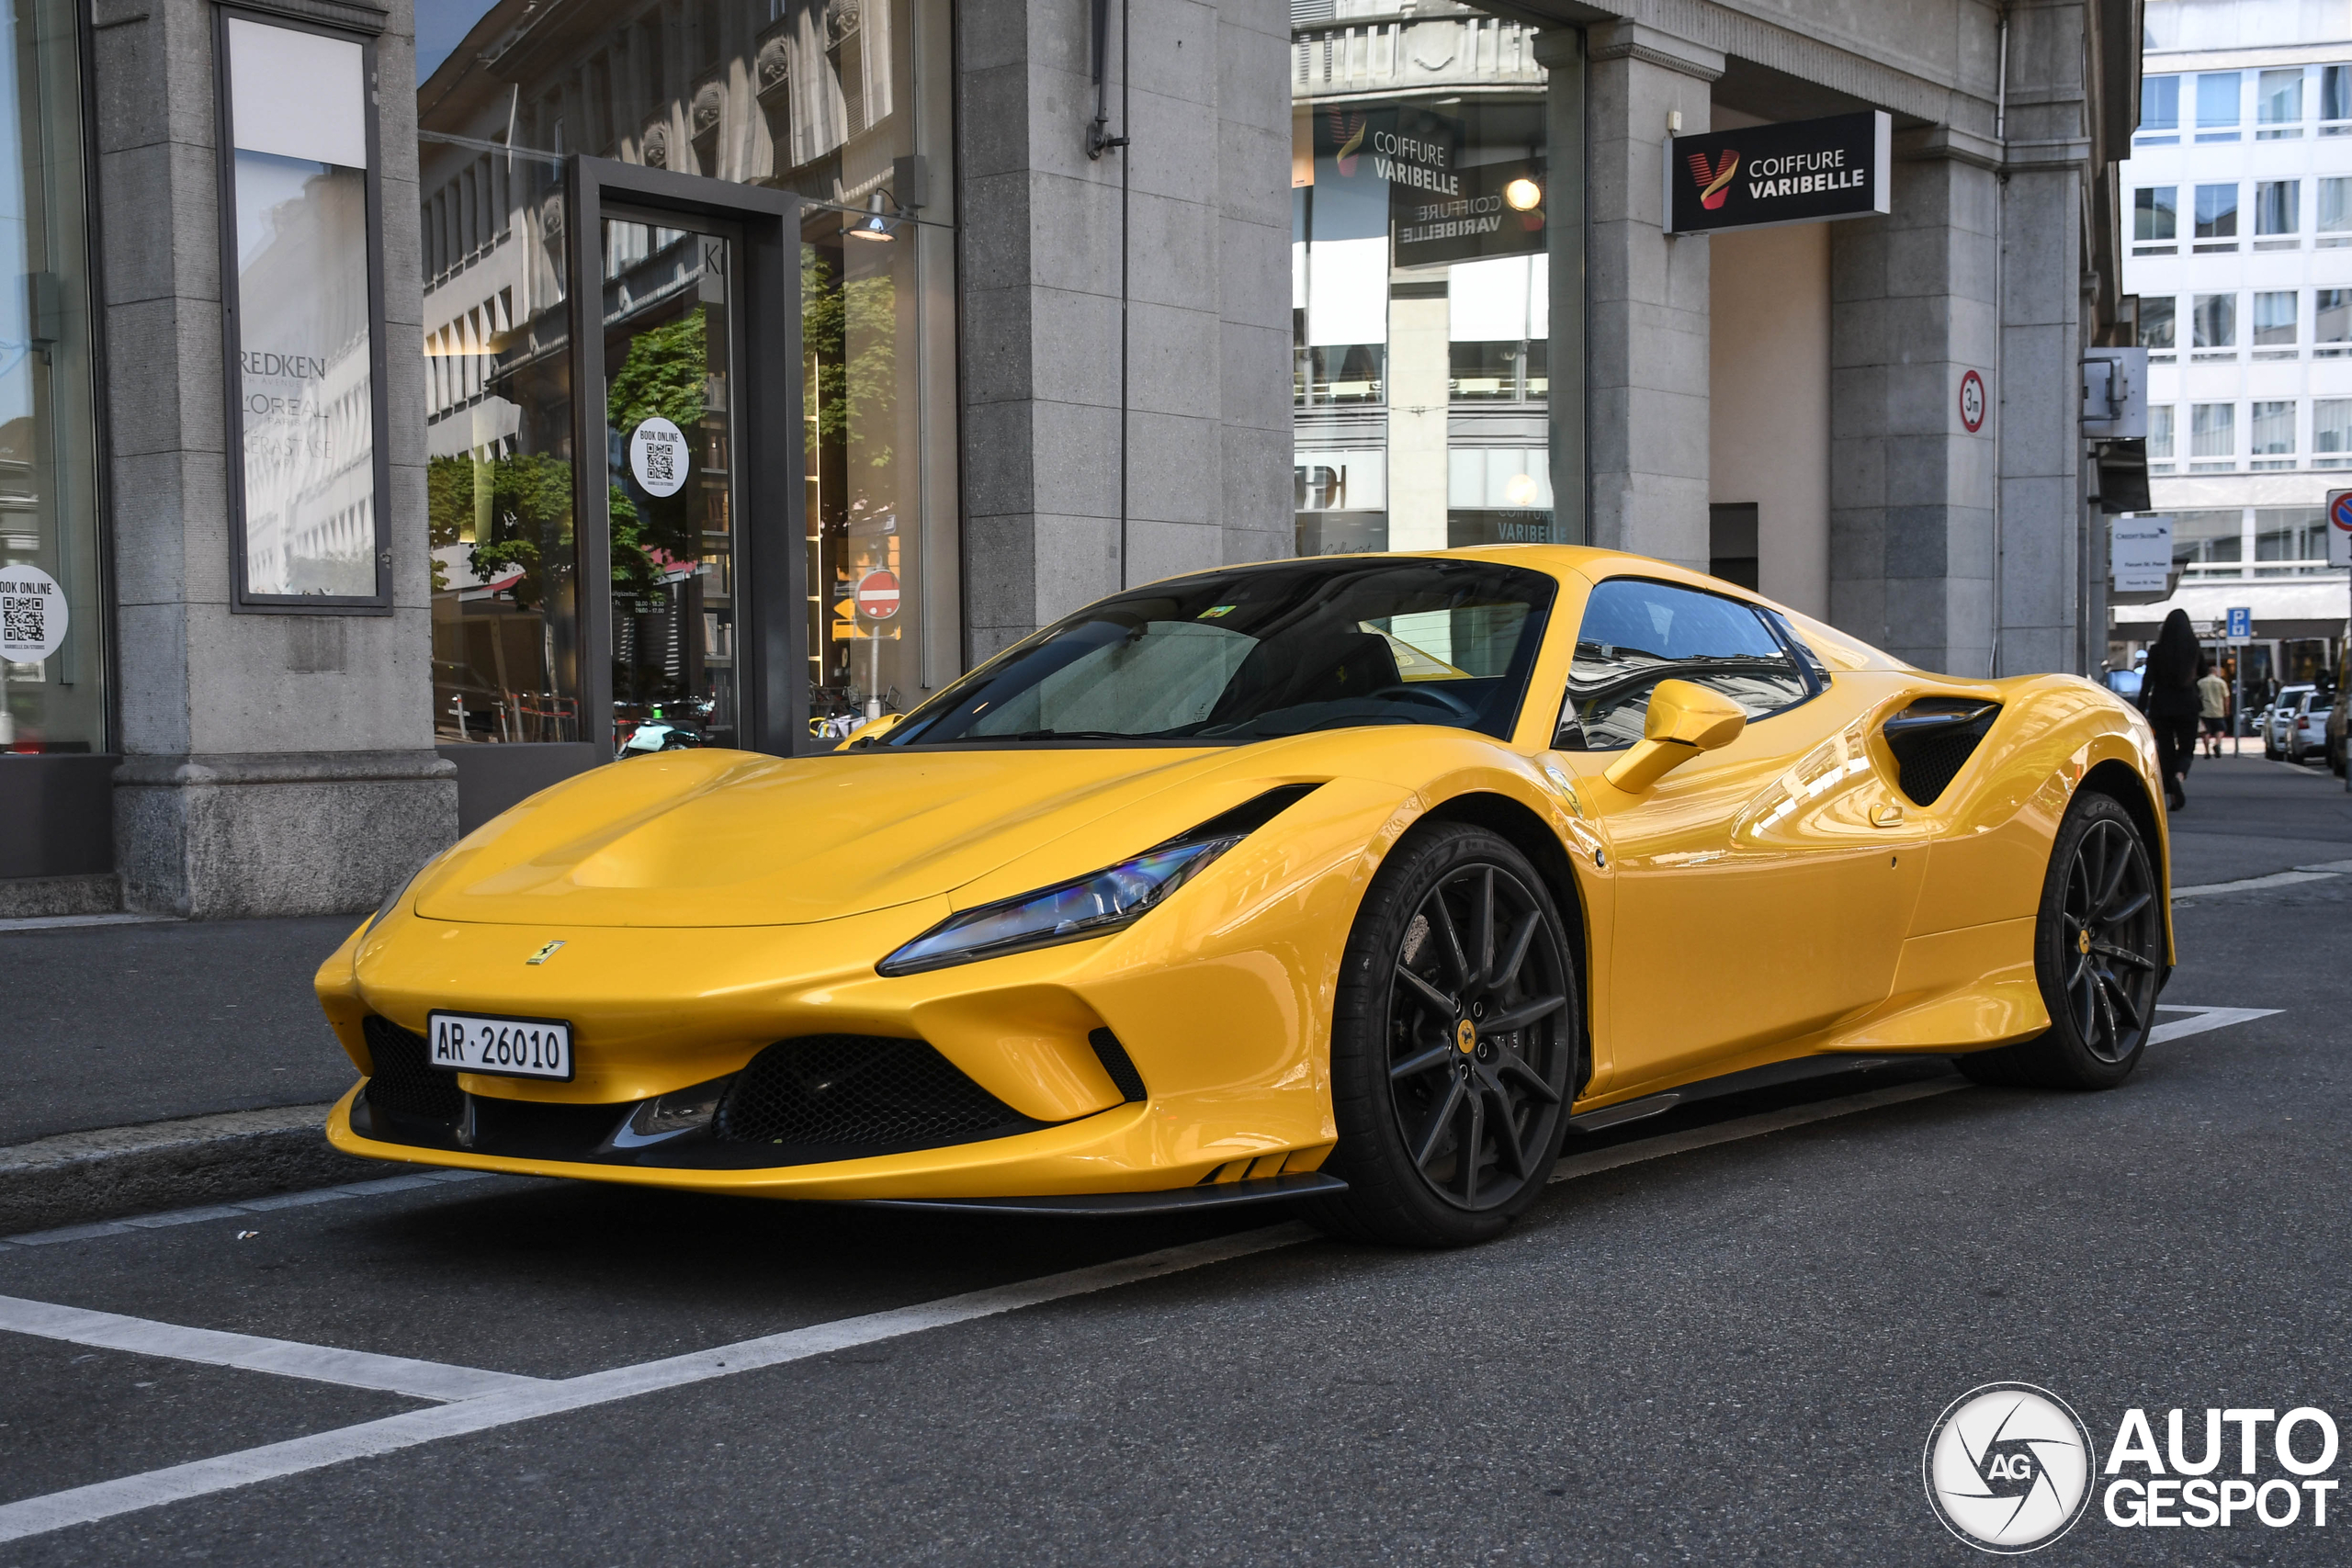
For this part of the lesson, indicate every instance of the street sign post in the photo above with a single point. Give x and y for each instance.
(2241, 632)
(875, 598)
(2241, 624)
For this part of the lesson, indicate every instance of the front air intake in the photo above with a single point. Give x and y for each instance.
(405, 1083)
(844, 1096)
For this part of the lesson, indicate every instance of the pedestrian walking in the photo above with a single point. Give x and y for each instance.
(2214, 706)
(2170, 696)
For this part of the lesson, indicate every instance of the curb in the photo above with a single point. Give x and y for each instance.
(78, 1178)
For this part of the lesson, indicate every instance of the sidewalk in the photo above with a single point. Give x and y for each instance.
(154, 1065)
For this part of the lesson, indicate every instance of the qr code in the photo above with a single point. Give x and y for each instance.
(22, 621)
(660, 462)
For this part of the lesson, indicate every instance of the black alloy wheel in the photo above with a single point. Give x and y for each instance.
(1454, 1037)
(2099, 955)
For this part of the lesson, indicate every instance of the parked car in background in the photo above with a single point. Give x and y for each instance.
(2278, 720)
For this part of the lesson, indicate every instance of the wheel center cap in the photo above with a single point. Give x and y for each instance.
(1466, 1036)
(2083, 942)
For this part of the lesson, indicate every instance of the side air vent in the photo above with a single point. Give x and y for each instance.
(1932, 738)
(403, 1083)
(1118, 1064)
(845, 1096)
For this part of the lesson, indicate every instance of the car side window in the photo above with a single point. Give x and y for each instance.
(1637, 633)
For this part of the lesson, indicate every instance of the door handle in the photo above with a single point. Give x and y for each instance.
(1886, 814)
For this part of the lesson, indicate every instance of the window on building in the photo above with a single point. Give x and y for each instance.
(2217, 212)
(2332, 432)
(1420, 287)
(2334, 218)
(2215, 536)
(2152, 215)
(2159, 430)
(2273, 433)
(2290, 533)
(2279, 104)
(2332, 316)
(2155, 321)
(2213, 429)
(2278, 207)
(2335, 99)
(2216, 320)
(2274, 317)
(2217, 107)
(2159, 110)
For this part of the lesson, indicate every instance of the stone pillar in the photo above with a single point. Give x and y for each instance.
(273, 764)
(1647, 329)
(1911, 488)
(1206, 315)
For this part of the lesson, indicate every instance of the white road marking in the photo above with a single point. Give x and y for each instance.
(2207, 1018)
(203, 1212)
(2254, 883)
(320, 1363)
(200, 1478)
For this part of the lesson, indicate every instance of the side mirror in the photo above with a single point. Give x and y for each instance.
(1684, 719)
(873, 730)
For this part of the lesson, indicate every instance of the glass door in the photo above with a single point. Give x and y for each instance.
(671, 489)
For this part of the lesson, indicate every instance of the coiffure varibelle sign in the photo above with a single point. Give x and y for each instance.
(1805, 171)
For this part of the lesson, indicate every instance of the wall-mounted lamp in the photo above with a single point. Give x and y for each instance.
(876, 223)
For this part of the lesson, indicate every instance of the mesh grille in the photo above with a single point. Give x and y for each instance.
(1929, 761)
(1118, 1064)
(403, 1084)
(864, 1093)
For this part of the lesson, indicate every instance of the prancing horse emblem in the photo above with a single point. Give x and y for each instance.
(544, 954)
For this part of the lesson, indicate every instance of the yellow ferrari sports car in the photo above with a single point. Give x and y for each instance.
(1366, 881)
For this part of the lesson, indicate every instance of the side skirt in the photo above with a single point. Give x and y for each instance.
(1766, 1076)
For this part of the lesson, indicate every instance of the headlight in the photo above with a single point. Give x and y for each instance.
(1107, 901)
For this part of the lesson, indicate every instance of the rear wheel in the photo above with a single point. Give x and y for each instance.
(1455, 1035)
(2098, 953)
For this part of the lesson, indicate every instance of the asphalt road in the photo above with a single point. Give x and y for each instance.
(1722, 1339)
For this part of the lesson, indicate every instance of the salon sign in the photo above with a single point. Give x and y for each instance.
(1805, 171)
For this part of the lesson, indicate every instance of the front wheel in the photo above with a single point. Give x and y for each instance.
(2099, 955)
(1454, 1041)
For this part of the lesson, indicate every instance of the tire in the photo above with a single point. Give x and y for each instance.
(2100, 1014)
(1440, 1145)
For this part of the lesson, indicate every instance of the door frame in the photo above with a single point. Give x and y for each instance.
(770, 500)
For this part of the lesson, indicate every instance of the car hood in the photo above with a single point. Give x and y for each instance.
(716, 838)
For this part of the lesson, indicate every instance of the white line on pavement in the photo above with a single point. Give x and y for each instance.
(297, 1200)
(106, 1499)
(2253, 883)
(320, 1363)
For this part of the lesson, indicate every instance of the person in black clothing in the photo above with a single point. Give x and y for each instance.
(2170, 696)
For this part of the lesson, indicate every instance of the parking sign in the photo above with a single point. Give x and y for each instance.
(2241, 624)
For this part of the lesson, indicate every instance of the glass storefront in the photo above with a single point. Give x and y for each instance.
(52, 619)
(847, 106)
(1422, 240)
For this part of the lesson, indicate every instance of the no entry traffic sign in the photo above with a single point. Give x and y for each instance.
(877, 596)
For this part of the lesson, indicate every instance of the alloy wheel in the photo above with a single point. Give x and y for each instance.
(2112, 942)
(1480, 1037)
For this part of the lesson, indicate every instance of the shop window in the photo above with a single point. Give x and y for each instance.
(2297, 533)
(52, 647)
(2279, 104)
(2159, 111)
(1422, 227)
(299, 185)
(2217, 107)
(2207, 538)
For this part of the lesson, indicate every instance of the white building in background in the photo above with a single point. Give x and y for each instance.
(2238, 211)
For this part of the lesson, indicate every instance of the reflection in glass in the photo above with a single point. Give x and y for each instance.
(48, 452)
(498, 432)
(1421, 285)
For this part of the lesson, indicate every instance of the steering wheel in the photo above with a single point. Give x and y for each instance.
(1441, 697)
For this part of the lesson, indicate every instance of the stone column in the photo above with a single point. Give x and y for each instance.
(1647, 329)
(273, 764)
(1911, 488)
(1206, 307)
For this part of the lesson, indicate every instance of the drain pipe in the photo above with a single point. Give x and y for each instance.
(1099, 140)
(2000, 333)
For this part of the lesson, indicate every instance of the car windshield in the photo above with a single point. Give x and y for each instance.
(1257, 652)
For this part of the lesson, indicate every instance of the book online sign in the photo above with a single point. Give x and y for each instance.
(1805, 171)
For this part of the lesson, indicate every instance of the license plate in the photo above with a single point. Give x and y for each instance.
(511, 1047)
